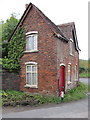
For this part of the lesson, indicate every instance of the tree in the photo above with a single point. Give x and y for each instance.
(8, 27)
(12, 50)
(0, 38)
(7, 30)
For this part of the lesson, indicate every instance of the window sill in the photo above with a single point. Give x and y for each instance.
(31, 51)
(71, 55)
(30, 86)
(69, 82)
(76, 80)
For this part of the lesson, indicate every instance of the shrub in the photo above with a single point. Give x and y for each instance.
(82, 69)
(13, 98)
(15, 51)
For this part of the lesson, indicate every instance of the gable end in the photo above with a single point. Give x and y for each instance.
(57, 32)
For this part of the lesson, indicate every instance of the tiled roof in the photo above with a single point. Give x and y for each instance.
(69, 31)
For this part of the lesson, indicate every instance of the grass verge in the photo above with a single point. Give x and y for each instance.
(76, 93)
(14, 98)
(84, 75)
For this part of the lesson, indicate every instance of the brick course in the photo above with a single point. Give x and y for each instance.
(45, 57)
(51, 53)
(10, 81)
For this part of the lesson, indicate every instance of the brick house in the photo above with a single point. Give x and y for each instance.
(51, 58)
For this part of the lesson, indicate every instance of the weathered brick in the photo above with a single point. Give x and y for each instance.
(51, 52)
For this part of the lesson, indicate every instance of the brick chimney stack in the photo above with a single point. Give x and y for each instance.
(26, 5)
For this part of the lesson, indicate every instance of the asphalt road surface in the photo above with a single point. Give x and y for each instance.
(75, 109)
(85, 80)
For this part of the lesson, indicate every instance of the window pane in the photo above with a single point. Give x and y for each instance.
(28, 68)
(68, 67)
(70, 47)
(34, 68)
(31, 42)
(35, 42)
(34, 78)
(27, 44)
(69, 73)
(29, 78)
(76, 72)
(68, 76)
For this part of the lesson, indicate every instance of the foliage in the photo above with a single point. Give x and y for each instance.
(81, 69)
(15, 51)
(3, 93)
(13, 98)
(0, 32)
(84, 74)
(77, 92)
(8, 27)
(83, 63)
(0, 40)
(7, 30)
(4, 49)
(84, 68)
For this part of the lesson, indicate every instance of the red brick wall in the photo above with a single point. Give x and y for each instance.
(63, 56)
(51, 53)
(45, 57)
(10, 81)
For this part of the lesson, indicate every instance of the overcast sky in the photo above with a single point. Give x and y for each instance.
(59, 11)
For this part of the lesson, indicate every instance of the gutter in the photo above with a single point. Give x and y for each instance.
(61, 37)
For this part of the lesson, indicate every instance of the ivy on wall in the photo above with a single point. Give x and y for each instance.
(15, 51)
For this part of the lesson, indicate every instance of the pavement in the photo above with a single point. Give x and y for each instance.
(75, 109)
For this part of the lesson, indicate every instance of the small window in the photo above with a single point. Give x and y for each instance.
(69, 73)
(71, 47)
(76, 73)
(31, 42)
(31, 74)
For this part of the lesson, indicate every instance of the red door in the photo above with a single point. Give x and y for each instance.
(62, 79)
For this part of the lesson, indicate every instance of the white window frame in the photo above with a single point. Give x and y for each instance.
(76, 73)
(35, 35)
(69, 73)
(71, 47)
(31, 72)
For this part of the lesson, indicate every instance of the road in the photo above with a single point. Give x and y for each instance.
(75, 109)
(85, 80)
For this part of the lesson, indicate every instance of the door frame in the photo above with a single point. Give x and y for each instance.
(61, 83)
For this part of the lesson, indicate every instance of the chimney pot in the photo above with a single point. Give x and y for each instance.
(26, 5)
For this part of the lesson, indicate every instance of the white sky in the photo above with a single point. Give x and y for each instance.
(59, 11)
